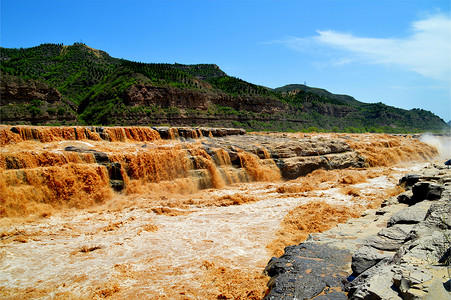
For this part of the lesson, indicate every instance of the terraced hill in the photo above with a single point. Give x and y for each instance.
(93, 88)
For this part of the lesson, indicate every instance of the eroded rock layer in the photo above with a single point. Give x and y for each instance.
(82, 166)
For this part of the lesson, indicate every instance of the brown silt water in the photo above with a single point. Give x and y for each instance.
(124, 213)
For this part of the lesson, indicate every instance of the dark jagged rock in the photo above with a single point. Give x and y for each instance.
(333, 295)
(415, 268)
(114, 171)
(116, 179)
(426, 191)
(235, 159)
(419, 191)
(117, 185)
(100, 157)
(15, 130)
(307, 270)
(406, 197)
(114, 168)
(408, 180)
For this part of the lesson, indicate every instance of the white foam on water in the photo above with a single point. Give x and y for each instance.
(441, 143)
(118, 248)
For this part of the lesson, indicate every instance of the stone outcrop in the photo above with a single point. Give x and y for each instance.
(294, 156)
(297, 166)
(307, 270)
(32, 102)
(114, 168)
(418, 269)
(14, 89)
(408, 259)
(147, 95)
(196, 132)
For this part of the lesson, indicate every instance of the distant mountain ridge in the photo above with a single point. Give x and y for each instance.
(97, 89)
(345, 99)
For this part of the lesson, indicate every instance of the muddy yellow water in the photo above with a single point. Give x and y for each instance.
(173, 233)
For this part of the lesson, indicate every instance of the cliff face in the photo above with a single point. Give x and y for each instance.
(255, 104)
(33, 102)
(147, 95)
(15, 89)
(147, 104)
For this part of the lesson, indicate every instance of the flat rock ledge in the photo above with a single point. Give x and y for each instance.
(399, 251)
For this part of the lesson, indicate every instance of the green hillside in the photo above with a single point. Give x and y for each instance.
(343, 99)
(102, 90)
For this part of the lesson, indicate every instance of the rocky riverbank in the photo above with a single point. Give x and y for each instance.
(400, 251)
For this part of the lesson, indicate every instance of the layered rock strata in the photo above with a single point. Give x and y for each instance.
(32, 102)
(400, 251)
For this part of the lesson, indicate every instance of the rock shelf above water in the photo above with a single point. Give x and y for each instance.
(395, 252)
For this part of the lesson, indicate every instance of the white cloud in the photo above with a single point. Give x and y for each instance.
(426, 51)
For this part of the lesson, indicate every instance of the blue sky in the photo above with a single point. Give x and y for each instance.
(397, 52)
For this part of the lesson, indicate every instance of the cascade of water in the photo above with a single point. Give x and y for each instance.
(51, 134)
(28, 159)
(115, 158)
(259, 169)
(136, 134)
(65, 133)
(34, 190)
(56, 165)
(387, 150)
